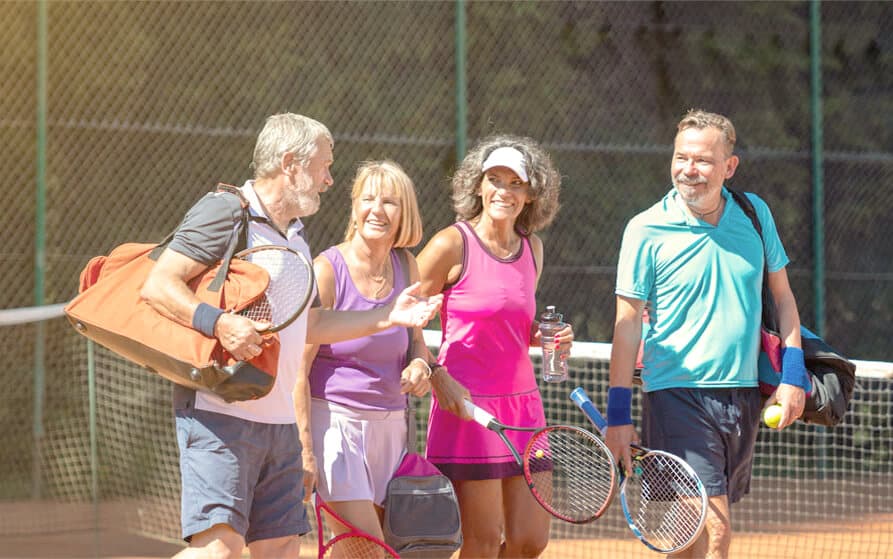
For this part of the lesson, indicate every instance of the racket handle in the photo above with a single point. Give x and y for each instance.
(579, 397)
(479, 415)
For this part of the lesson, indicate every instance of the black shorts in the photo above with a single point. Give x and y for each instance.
(714, 430)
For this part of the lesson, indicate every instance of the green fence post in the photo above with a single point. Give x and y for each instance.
(818, 195)
(40, 250)
(818, 185)
(461, 93)
(94, 445)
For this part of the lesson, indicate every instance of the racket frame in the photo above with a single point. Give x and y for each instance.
(490, 422)
(582, 400)
(302, 260)
(319, 505)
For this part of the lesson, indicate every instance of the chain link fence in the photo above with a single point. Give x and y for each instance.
(149, 104)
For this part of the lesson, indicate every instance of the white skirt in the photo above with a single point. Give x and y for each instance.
(357, 451)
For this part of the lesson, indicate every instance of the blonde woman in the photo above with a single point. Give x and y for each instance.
(351, 401)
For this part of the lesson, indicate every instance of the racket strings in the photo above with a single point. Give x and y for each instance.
(290, 281)
(664, 501)
(572, 473)
(347, 542)
(355, 547)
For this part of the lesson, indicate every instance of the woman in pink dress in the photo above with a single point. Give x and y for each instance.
(487, 266)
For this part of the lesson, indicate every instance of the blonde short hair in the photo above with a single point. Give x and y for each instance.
(381, 175)
(700, 119)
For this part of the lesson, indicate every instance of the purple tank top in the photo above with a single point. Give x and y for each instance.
(364, 372)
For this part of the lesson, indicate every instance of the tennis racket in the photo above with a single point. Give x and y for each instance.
(569, 471)
(291, 285)
(347, 540)
(663, 500)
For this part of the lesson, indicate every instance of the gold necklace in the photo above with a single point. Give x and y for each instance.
(379, 282)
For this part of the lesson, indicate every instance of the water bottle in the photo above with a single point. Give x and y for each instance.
(554, 361)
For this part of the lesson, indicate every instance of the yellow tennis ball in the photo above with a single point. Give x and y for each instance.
(539, 453)
(772, 415)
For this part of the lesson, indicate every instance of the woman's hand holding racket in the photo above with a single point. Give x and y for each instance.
(311, 473)
(451, 395)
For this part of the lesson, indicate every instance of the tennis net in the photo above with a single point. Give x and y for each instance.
(88, 448)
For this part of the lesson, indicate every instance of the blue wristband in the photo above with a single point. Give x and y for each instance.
(620, 402)
(793, 369)
(205, 318)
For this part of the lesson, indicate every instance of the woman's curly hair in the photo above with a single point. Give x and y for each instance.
(545, 182)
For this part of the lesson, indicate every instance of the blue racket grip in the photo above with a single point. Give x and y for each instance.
(579, 397)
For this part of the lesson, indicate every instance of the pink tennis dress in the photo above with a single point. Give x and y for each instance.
(487, 315)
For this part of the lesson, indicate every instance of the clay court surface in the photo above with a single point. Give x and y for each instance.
(872, 538)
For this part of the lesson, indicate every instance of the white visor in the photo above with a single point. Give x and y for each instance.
(507, 157)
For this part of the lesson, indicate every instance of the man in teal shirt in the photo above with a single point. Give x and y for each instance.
(697, 262)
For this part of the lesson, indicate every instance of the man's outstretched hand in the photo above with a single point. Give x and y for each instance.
(412, 310)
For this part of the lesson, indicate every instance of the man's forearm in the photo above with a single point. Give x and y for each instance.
(172, 299)
(789, 322)
(624, 349)
(327, 326)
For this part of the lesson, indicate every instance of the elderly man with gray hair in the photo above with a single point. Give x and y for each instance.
(241, 461)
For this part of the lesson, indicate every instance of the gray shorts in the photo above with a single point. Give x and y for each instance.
(241, 473)
(714, 430)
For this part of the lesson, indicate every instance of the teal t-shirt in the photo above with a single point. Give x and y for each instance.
(702, 285)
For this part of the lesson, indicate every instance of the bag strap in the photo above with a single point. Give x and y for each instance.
(411, 436)
(770, 313)
(239, 239)
(403, 259)
(243, 203)
(749, 210)
(159, 248)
